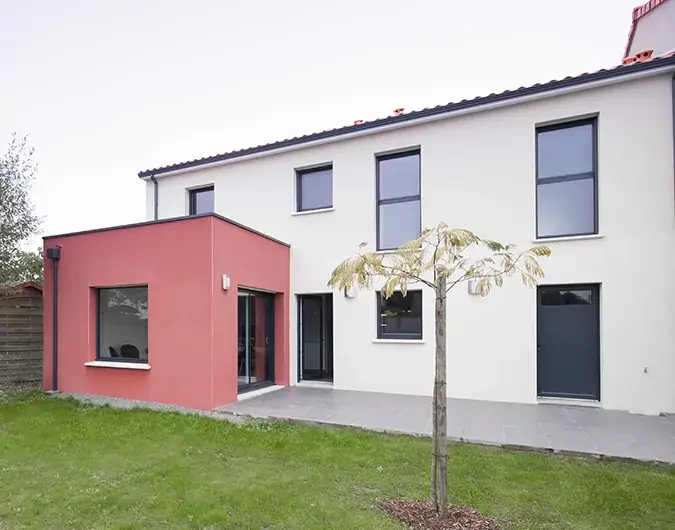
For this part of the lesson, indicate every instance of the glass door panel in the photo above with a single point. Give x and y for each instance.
(255, 339)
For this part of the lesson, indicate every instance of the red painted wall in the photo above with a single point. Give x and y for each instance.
(252, 263)
(192, 322)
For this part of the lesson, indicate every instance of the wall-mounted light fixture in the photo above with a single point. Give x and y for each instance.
(473, 286)
(226, 282)
(351, 292)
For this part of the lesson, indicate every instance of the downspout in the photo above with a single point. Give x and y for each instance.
(156, 197)
(54, 254)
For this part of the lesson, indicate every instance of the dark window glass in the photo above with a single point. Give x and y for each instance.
(566, 207)
(202, 200)
(562, 297)
(399, 223)
(400, 177)
(399, 317)
(315, 189)
(122, 324)
(566, 180)
(567, 151)
(398, 200)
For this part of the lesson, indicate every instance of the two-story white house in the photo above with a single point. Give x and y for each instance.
(584, 165)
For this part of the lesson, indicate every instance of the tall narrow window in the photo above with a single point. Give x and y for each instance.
(122, 324)
(314, 189)
(201, 200)
(399, 217)
(567, 203)
(399, 317)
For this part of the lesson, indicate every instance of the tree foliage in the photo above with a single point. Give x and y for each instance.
(441, 258)
(18, 221)
(24, 266)
(441, 253)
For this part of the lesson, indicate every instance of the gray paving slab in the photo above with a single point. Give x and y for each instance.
(538, 426)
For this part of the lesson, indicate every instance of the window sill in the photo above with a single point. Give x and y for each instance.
(310, 212)
(399, 341)
(113, 364)
(567, 238)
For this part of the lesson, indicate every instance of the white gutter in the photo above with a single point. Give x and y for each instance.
(429, 119)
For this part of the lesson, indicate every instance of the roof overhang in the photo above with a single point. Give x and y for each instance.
(618, 74)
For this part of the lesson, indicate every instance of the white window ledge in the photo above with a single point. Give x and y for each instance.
(310, 212)
(399, 341)
(113, 364)
(567, 238)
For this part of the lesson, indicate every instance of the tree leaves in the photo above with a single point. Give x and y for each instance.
(441, 253)
(18, 221)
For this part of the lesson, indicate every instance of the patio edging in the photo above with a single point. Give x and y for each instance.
(597, 457)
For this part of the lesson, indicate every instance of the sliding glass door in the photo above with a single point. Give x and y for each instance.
(255, 358)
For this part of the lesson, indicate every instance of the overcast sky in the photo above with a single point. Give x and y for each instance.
(108, 88)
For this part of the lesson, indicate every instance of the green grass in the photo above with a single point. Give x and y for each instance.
(64, 465)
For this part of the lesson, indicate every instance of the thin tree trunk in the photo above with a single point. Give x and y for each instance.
(440, 429)
(434, 447)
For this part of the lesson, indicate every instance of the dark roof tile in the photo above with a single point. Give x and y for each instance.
(605, 73)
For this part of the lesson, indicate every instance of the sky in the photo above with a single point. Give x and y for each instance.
(105, 89)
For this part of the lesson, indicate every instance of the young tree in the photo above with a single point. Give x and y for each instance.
(441, 258)
(18, 221)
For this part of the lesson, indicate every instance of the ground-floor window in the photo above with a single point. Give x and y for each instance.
(399, 317)
(122, 324)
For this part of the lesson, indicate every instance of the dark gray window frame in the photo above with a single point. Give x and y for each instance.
(409, 198)
(110, 359)
(193, 198)
(593, 121)
(298, 187)
(399, 336)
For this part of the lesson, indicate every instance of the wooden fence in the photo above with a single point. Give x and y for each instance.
(20, 333)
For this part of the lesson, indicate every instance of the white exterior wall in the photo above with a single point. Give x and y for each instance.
(656, 30)
(478, 171)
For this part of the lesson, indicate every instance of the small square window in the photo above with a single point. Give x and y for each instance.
(567, 203)
(202, 200)
(122, 324)
(314, 189)
(399, 317)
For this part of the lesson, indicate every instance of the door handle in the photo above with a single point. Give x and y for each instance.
(267, 341)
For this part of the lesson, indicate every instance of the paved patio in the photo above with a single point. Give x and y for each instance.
(551, 427)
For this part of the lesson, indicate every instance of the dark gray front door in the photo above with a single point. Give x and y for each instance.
(568, 341)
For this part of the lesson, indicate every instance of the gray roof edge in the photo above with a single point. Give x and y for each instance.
(550, 86)
(168, 220)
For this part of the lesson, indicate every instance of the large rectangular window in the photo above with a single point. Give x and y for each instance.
(202, 200)
(399, 317)
(567, 203)
(314, 189)
(122, 324)
(399, 217)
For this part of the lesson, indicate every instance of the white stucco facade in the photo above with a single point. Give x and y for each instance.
(478, 172)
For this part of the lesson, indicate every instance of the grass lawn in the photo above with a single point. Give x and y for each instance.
(64, 465)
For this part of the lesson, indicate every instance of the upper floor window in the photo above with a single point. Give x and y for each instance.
(399, 317)
(314, 189)
(202, 200)
(567, 203)
(399, 216)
